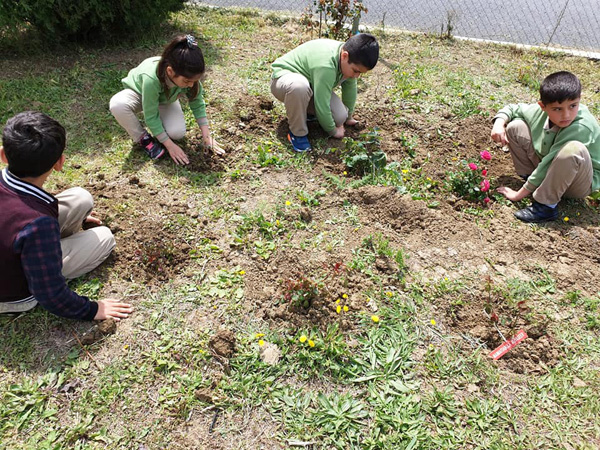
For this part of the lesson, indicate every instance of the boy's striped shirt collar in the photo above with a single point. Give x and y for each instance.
(24, 188)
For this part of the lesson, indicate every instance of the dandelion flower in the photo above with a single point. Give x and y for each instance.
(288, 203)
(566, 219)
(338, 309)
(311, 343)
(345, 173)
(125, 347)
(404, 170)
(375, 319)
(303, 338)
(337, 301)
(345, 308)
(431, 347)
(345, 296)
(261, 343)
(389, 293)
(242, 272)
(277, 222)
(432, 321)
(259, 335)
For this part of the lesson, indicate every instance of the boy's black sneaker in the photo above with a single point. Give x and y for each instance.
(537, 213)
(154, 148)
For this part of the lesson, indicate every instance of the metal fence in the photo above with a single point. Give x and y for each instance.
(569, 24)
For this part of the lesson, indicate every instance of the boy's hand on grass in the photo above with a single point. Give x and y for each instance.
(93, 219)
(110, 308)
(499, 132)
(176, 153)
(339, 132)
(351, 122)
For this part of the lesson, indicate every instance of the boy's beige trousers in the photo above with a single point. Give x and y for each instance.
(569, 175)
(296, 94)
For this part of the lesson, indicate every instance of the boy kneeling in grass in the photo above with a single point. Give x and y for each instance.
(40, 246)
(554, 145)
(304, 80)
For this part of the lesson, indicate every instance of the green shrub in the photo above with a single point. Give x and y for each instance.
(84, 20)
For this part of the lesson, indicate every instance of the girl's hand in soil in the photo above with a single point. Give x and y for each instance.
(512, 195)
(338, 132)
(212, 144)
(110, 308)
(175, 152)
(499, 132)
(351, 121)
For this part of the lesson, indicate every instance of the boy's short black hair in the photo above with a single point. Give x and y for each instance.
(560, 86)
(362, 49)
(33, 142)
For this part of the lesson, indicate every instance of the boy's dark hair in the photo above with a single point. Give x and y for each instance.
(185, 58)
(560, 86)
(33, 142)
(362, 49)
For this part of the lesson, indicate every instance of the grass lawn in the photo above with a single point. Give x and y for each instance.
(339, 299)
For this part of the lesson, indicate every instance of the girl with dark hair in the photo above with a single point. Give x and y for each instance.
(155, 87)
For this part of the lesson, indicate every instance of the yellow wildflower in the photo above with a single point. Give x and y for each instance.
(259, 335)
(337, 301)
(375, 318)
(338, 309)
(432, 321)
(345, 308)
(311, 343)
(277, 222)
(242, 272)
(566, 219)
(261, 343)
(389, 294)
(345, 173)
(345, 296)
(288, 203)
(303, 339)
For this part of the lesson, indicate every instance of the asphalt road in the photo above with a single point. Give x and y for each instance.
(561, 23)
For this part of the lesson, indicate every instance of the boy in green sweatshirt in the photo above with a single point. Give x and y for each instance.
(305, 78)
(554, 145)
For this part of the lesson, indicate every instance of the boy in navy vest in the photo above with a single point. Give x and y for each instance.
(40, 242)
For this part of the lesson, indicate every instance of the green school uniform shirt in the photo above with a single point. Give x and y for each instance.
(319, 62)
(144, 80)
(547, 142)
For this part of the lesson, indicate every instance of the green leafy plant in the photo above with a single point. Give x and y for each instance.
(340, 17)
(86, 20)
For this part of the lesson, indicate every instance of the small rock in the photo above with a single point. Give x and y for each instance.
(305, 215)
(204, 395)
(579, 383)
(270, 354)
(134, 180)
(104, 328)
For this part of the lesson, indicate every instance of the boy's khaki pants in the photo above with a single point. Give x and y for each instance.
(127, 104)
(294, 90)
(569, 175)
(82, 251)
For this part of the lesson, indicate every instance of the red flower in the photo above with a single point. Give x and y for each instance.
(484, 172)
(472, 166)
(487, 200)
(485, 186)
(485, 155)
